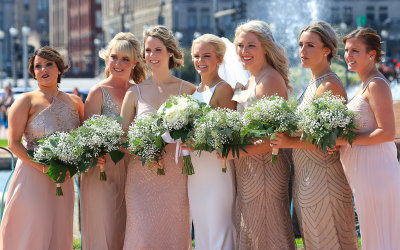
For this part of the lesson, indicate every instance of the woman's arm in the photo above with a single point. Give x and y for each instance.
(17, 120)
(93, 102)
(222, 97)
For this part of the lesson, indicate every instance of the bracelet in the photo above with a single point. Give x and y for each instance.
(43, 170)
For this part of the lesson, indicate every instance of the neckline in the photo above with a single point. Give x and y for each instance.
(213, 87)
(323, 76)
(111, 97)
(49, 95)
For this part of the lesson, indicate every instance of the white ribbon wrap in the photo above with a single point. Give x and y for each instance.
(178, 150)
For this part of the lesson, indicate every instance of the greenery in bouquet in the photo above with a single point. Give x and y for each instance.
(220, 130)
(326, 119)
(98, 136)
(144, 140)
(177, 117)
(268, 116)
(60, 151)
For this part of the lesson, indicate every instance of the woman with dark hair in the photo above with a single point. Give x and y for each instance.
(34, 217)
(321, 195)
(157, 205)
(371, 164)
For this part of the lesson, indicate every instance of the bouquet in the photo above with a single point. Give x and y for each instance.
(144, 140)
(326, 119)
(178, 116)
(268, 116)
(98, 136)
(61, 152)
(220, 130)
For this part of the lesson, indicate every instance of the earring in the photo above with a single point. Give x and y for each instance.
(170, 55)
(218, 64)
(370, 58)
(325, 54)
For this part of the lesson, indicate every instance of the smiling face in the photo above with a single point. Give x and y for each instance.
(205, 58)
(250, 50)
(356, 55)
(312, 51)
(120, 64)
(156, 53)
(46, 71)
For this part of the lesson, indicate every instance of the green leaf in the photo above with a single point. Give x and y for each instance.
(168, 104)
(119, 119)
(30, 153)
(273, 136)
(94, 162)
(116, 156)
(53, 142)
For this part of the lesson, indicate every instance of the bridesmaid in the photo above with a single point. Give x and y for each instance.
(157, 206)
(34, 217)
(211, 192)
(263, 200)
(321, 195)
(103, 202)
(371, 164)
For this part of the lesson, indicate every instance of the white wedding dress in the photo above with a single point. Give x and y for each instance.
(212, 197)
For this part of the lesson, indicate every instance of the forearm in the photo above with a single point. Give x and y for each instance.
(374, 137)
(20, 151)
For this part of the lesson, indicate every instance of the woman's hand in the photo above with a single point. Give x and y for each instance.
(281, 141)
(101, 161)
(185, 146)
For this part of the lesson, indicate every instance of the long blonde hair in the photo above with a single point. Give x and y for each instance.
(215, 41)
(126, 42)
(274, 53)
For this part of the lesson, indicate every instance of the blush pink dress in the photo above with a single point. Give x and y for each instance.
(373, 173)
(34, 217)
(157, 205)
(103, 202)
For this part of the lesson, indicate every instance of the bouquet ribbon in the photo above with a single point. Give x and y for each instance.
(178, 150)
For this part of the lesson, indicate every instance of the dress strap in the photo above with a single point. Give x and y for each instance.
(180, 88)
(138, 89)
(369, 81)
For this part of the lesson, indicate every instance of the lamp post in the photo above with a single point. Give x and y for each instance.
(25, 33)
(97, 44)
(1, 57)
(385, 35)
(14, 33)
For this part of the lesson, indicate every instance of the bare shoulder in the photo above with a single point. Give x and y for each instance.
(224, 87)
(379, 87)
(188, 88)
(273, 83)
(25, 100)
(332, 83)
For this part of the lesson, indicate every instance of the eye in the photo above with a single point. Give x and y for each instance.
(148, 50)
(126, 59)
(49, 64)
(158, 50)
(207, 56)
(252, 46)
(38, 66)
(240, 45)
(300, 44)
(113, 57)
(310, 45)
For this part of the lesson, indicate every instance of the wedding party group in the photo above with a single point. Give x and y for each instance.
(156, 154)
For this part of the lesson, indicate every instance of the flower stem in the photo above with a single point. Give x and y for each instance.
(59, 191)
(160, 171)
(187, 165)
(103, 176)
(223, 164)
(274, 155)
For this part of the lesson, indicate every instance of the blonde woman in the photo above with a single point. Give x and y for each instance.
(211, 192)
(103, 202)
(321, 195)
(263, 201)
(157, 205)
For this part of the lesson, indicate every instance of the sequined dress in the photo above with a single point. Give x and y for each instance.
(157, 205)
(34, 217)
(263, 216)
(321, 195)
(103, 202)
(212, 197)
(373, 173)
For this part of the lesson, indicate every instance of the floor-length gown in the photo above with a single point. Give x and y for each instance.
(321, 195)
(212, 197)
(103, 202)
(157, 205)
(34, 217)
(263, 217)
(373, 173)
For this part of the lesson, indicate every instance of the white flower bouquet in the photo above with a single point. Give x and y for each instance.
(220, 130)
(98, 136)
(326, 119)
(268, 116)
(178, 116)
(61, 152)
(144, 140)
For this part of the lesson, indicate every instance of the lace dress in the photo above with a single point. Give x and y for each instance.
(263, 217)
(321, 195)
(34, 217)
(157, 205)
(103, 202)
(374, 176)
(212, 197)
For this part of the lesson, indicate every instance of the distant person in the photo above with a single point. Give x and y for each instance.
(5, 103)
(76, 92)
(34, 217)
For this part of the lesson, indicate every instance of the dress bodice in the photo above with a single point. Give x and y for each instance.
(206, 95)
(144, 107)
(366, 121)
(58, 116)
(245, 97)
(308, 96)
(109, 107)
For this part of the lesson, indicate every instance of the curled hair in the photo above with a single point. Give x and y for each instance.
(370, 38)
(274, 53)
(215, 41)
(48, 53)
(170, 42)
(327, 35)
(128, 44)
